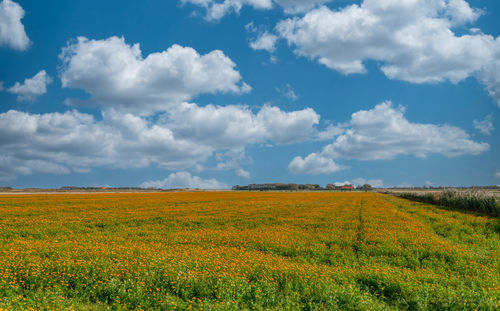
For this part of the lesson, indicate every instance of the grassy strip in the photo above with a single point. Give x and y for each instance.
(475, 201)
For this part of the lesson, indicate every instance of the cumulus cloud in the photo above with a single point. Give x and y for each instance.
(314, 164)
(497, 173)
(230, 159)
(129, 89)
(265, 41)
(459, 12)
(250, 27)
(330, 132)
(177, 140)
(485, 126)
(215, 9)
(242, 173)
(218, 9)
(11, 168)
(287, 91)
(490, 76)
(73, 141)
(184, 180)
(233, 126)
(383, 133)
(299, 6)
(413, 40)
(31, 88)
(116, 75)
(12, 32)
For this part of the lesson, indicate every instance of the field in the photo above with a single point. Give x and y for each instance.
(244, 251)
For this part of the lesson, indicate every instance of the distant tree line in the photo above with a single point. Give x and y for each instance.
(297, 187)
(104, 188)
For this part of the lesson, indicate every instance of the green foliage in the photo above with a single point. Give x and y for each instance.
(475, 201)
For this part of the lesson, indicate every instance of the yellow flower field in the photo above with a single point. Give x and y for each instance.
(244, 251)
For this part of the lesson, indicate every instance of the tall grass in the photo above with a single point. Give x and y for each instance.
(472, 200)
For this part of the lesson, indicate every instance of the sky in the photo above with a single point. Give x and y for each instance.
(215, 93)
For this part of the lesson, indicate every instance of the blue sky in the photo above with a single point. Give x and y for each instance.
(212, 93)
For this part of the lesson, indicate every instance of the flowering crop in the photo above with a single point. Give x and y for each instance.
(252, 251)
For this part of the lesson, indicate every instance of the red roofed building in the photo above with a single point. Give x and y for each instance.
(347, 187)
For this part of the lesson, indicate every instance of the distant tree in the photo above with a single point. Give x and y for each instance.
(331, 187)
(367, 187)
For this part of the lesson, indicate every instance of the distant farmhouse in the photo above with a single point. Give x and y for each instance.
(347, 187)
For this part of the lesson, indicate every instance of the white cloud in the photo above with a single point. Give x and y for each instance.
(485, 126)
(314, 164)
(178, 140)
(242, 173)
(117, 76)
(230, 159)
(287, 91)
(330, 132)
(215, 9)
(299, 6)
(184, 180)
(218, 9)
(497, 174)
(265, 42)
(235, 126)
(12, 31)
(490, 76)
(182, 136)
(31, 88)
(250, 27)
(376, 183)
(412, 39)
(73, 141)
(287, 127)
(11, 167)
(383, 133)
(459, 12)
